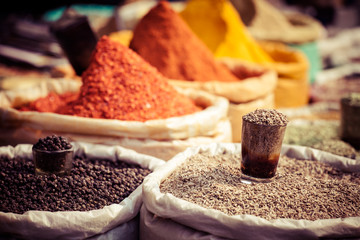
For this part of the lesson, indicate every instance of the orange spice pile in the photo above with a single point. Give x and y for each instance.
(164, 39)
(119, 84)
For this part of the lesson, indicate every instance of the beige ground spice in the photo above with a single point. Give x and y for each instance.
(303, 189)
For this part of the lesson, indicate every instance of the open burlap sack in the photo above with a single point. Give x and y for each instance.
(292, 66)
(120, 220)
(237, 111)
(256, 82)
(255, 90)
(26, 127)
(266, 22)
(163, 216)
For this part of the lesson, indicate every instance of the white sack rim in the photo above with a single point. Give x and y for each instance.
(220, 224)
(77, 224)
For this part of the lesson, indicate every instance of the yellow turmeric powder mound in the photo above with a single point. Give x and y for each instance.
(219, 26)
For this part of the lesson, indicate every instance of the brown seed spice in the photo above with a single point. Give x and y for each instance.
(266, 117)
(303, 189)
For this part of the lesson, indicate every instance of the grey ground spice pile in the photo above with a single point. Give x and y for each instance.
(269, 117)
(324, 137)
(337, 147)
(309, 133)
(303, 189)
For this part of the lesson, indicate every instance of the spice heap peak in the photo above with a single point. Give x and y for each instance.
(269, 117)
(218, 24)
(164, 39)
(119, 84)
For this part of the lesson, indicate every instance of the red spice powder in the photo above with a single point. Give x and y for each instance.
(164, 39)
(119, 84)
(49, 103)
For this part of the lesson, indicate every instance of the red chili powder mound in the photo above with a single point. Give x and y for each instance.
(164, 39)
(49, 103)
(119, 84)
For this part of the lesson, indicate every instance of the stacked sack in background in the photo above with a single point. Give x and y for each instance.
(340, 76)
(299, 31)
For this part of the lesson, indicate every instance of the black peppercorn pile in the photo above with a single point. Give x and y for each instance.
(52, 143)
(91, 185)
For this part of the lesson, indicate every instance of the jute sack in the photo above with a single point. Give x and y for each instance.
(255, 90)
(266, 22)
(237, 111)
(164, 216)
(120, 220)
(293, 87)
(256, 82)
(154, 135)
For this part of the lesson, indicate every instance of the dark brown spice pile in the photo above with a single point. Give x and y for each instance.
(303, 189)
(52, 143)
(93, 184)
(266, 117)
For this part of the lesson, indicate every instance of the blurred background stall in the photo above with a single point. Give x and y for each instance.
(297, 56)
